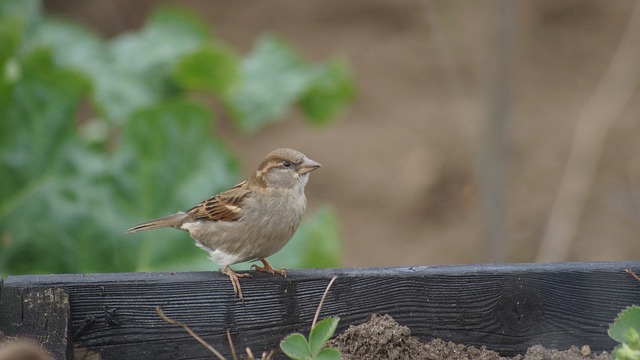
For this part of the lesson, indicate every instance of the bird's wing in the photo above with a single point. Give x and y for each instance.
(226, 206)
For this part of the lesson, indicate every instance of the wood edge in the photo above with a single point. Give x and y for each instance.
(299, 274)
(6, 321)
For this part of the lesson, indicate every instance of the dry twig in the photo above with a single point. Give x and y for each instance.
(326, 291)
(630, 272)
(188, 329)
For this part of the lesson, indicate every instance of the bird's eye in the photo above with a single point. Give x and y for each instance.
(286, 163)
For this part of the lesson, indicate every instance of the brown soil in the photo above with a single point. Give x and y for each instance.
(381, 337)
(21, 349)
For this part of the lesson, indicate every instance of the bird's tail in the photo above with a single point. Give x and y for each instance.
(174, 220)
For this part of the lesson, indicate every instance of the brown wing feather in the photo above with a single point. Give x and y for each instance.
(225, 206)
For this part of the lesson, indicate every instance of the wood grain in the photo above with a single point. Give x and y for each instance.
(505, 307)
(38, 313)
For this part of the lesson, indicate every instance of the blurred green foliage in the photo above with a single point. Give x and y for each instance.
(70, 185)
(626, 331)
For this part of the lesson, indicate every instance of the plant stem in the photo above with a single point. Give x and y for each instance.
(326, 291)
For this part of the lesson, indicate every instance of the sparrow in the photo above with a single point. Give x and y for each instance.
(250, 221)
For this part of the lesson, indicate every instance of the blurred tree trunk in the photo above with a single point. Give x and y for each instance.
(494, 160)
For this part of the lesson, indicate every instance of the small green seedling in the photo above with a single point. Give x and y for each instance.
(296, 346)
(626, 330)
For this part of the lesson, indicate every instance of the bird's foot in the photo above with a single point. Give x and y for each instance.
(269, 269)
(234, 277)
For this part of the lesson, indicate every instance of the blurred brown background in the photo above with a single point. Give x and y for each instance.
(463, 128)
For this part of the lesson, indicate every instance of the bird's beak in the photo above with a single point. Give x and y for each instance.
(308, 166)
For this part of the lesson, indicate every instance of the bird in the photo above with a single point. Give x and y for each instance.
(250, 221)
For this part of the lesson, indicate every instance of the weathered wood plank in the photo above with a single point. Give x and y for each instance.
(505, 307)
(39, 313)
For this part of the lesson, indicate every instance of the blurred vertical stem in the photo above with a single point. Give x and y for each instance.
(605, 105)
(494, 162)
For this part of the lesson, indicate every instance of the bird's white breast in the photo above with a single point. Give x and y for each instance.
(220, 257)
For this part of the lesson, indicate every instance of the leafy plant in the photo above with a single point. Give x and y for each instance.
(297, 347)
(626, 330)
(97, 135)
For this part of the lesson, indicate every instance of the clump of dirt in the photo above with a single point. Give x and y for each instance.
(21, 349)
(539, 352)
(381, 337)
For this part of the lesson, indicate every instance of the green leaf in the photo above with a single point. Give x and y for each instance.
(78, 178)
(41, 160)
(171, 163)
(175, 154)
(141, 64)
(212, 68)
(167, 35)
(316, 244)
(116, 92)
(331, 90)
(328, 354)
(274, 78)
(133, 70)
(28, 11)
(11, 32)
(628, 321)
(295, 346)
(68, 238)
(322, 245)
(72, 45)
(37, 118)
(321, 333)
(322, 240)
(625, 352)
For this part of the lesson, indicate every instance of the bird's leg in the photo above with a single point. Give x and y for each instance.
(269, 269)
(233, 276)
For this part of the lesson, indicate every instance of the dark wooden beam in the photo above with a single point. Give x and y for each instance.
(505, 307)
(40, 313)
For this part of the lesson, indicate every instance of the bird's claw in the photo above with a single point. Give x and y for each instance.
(234, 277)
(269, 269)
